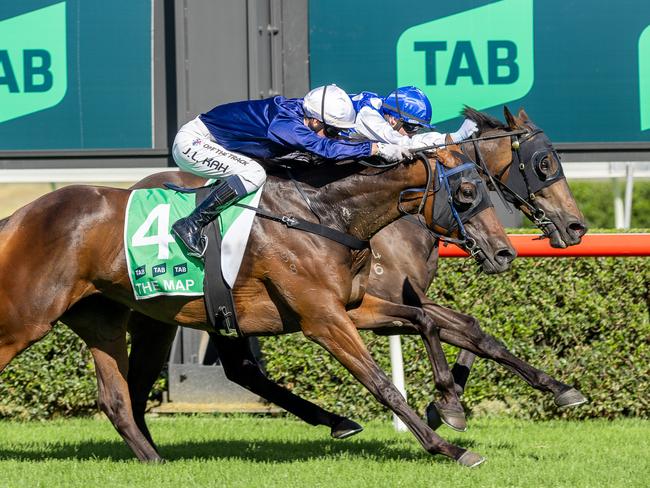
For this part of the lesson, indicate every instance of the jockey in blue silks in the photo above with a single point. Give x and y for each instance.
(222, 143)
(397, 118)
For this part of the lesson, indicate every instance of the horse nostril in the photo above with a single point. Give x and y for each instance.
(504, 256)
(578, 228)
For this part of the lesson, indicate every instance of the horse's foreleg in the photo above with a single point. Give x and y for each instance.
(375, 311)
(150, 344)
(102, 326)
(241, 367)
(334, 331)
(464, 331)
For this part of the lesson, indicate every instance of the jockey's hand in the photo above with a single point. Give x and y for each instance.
(465, 131)
(393, 153)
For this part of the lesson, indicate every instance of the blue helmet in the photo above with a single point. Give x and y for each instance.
(410, 104)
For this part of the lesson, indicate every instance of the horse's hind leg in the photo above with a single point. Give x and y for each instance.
(461, 369)
(464, 331)
(241, 367)
(14, 339)
(150, 344)
(102, 325)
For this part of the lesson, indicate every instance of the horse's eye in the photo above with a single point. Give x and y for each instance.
(466, 194)
(545, 165)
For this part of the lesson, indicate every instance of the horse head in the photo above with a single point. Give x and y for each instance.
(459, 210)
(530, 173)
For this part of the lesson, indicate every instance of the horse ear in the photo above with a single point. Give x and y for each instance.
(448, 140)
(445, 156)
(510, 119)
(523, 116)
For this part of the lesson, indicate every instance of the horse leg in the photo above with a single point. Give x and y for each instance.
(437, 411)
(15, 338)
(102, 325)
(374, 310)
(461, 369)
(151, 341)
(465, 332)
(241, 367)
(339, 336)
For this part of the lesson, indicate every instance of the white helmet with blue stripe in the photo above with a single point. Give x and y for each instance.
(330, 105)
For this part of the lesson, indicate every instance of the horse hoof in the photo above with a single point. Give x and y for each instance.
(470, 459)
(156, 460)
(570, 398)
(345, 428)
(437, 415)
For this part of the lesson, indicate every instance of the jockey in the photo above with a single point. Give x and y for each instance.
(222, 142)
(397, 118)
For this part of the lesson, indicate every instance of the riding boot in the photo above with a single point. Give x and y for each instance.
(190, 229)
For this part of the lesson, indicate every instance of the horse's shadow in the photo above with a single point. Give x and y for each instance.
(262, 451)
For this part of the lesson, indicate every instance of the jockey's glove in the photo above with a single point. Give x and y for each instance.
(393, 153)
(465, 131)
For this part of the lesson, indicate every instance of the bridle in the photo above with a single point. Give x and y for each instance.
(443, 176)
(521, 179)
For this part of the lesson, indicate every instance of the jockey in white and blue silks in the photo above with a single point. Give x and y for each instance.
(222, 143)
(397, 118)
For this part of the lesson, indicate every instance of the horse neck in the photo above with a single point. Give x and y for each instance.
(497, 153)
(366, 202)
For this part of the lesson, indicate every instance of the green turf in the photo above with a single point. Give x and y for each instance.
(267, 452)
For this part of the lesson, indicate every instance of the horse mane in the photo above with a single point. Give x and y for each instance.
(483, 120)
(3, 222)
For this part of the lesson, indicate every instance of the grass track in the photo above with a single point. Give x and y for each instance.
(264, 452)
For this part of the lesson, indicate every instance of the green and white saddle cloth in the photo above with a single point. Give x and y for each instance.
(157, 262)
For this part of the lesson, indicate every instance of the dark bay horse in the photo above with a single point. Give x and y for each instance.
(289, 281)
(402, 270)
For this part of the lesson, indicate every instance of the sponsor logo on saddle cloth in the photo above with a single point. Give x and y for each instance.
(157, 263)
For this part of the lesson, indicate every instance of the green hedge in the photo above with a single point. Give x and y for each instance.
(583, 320)
(596, 200)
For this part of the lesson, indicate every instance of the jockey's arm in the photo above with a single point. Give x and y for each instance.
(371, 125)
(296, 135)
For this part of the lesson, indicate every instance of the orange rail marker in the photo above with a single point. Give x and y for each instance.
(594, 245)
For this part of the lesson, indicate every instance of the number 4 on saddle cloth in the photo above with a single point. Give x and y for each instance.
(158, 264)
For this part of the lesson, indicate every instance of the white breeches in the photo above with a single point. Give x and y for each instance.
(196, 151)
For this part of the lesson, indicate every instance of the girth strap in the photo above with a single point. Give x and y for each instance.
(311, 227)
(295, 223)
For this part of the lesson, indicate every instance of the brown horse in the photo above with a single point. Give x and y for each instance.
(401, 272)
(289, 281)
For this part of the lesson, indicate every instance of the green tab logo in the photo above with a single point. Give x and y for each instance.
(33, 64)
(469, 58)
(644, 78)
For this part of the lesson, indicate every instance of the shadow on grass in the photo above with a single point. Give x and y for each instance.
(262, 451)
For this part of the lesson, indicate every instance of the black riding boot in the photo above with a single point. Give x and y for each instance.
(190, 229)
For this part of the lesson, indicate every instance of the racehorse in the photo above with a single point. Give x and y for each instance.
(404, 254)
(289, 281)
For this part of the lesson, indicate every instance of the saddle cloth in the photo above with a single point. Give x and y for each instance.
(157, 262)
